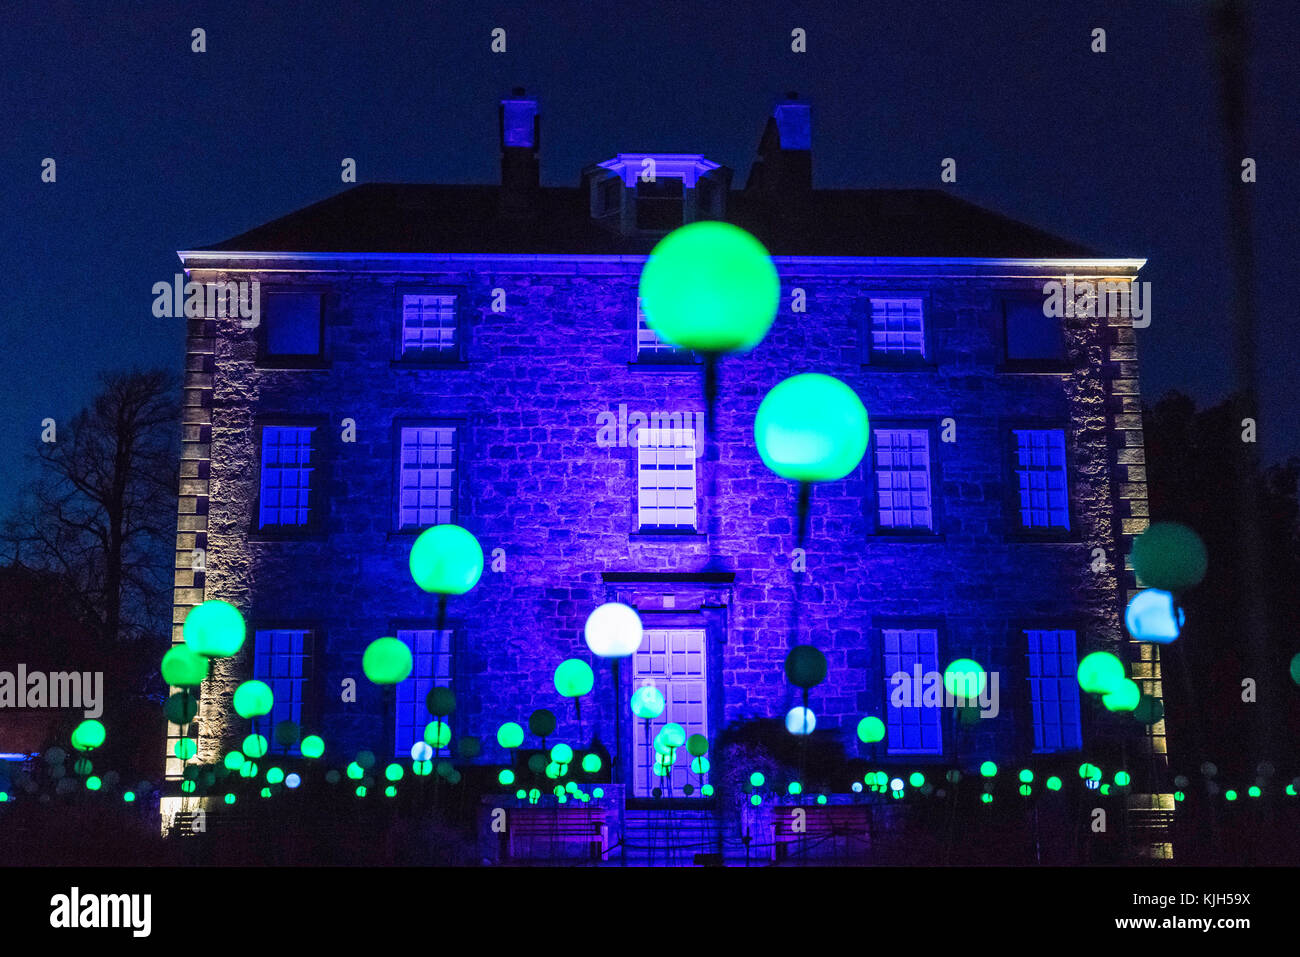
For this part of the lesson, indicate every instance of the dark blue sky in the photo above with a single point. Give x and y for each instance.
(161, 149)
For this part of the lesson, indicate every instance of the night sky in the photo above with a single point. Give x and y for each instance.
(161, 149)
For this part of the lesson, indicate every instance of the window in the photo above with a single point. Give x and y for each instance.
(650, 348)
(659, 203)
(666, 479)
(281, 658)
(903, 479)
(914, 729)
(427, 479)
(897, 329)
(1032, 337)
(429, 327)
(293, 325)
(1040, 479)
(1054, 690)
(285, 499)
(431, 657)
(611, 195)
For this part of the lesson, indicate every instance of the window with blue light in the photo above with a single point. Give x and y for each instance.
(285, 499)
(1054, 690)
(427, 479)
(1032, 336)
(293, 324)
(902, 467)
(897, 328)
(430, 326)
(431, 658)
(912, 729)
(281, 659)
(666, 479)
(650, 348)
(1041, 481)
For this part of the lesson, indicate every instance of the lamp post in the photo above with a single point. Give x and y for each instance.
(614, 632)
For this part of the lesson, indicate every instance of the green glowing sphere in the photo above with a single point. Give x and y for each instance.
(505, 777)
(1230, 795)
(710, 286)
(591, 763)
(446, 560)
(88, 735)
(437, 734)
(422, 768)
(795, 788)
(355, 771)
(573, 678)
(394, 772)
(561, 754)
(1124, 697)
(274, 775)
(248, 769)
(1169, 556)
(1122, 778)
(1026, 790)
(811, 428)
(312, 746)
(757, 779)
(128, 796)
(184, 668)
(986, 798)
(253, 699)
(988, 769)
(613, 631)
(916, 779)
(181, 707)
(510, 735)
(387, 661)
(214, 629)
(186, 748)
(234, 760)
(700, 765)
(1254, 791)
(266, 792)
(648, 702)
(361, 790)
(1180, 796)
(1026, 776)
(674, 734)
(553, 770)
(707, 790)
(230, 799)
(542, 722)
(1100, 673)
(1053, 783)
(1089, 772)
(254, 746)
(440, 702)
(756, 799)
(697, 745)
(83, 766)
(871, 730)
(1295, 669)
(805, 666)
(93, 783)
(964, 678)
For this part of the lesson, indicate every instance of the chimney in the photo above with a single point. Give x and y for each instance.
(520, 128)
(783, 170)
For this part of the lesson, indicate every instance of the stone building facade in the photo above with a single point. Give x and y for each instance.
(476, 355)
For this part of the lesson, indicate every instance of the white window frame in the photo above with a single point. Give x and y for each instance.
(667, 496)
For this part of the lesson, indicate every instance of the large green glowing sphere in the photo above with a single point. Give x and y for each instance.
(871, 730)
(648, 702)
(573, 678)
(387, 661)
(1169, 556)
(446, 560)
(613, 630)
(437, 734)
(674, 734)
(214, 629)
(182, 667)
(811, 428)
(805, 666)
(1100, 672)
(710, 286)
(510, 735)
(312, 746)
(562, 754)
(964, 678)
(88, 735)
(1124, 697)
(253, 699)
(254, 746)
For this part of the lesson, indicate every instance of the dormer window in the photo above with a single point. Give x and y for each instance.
(659, 204)
(650, 194)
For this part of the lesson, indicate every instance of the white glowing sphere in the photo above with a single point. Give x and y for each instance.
(613, 631)
(800, 720)
(420, 751)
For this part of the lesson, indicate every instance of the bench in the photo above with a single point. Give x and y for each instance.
(823, 824)
(557, 829)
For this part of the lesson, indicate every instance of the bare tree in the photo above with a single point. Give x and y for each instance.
(102, 509)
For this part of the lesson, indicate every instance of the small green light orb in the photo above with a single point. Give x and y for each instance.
(446, 560)
(674, 734)
(230, 798)
(186, 748)
(1180, 796)
(266, 792)
(916, 779)
(795, 788)
(182, 667)
(648, 702)
(1122, 779)
(757, 779)
(214, 629)
(552, 770)
(1105, 789)
(871, 730)
(422, 769)
(561, 754)
(361, 790)
(573, 678)
(964, 679)
(234, 760)
(707, 790)
(1169, 556)
(1053, 783)
(274, 775)
(248, 769)
(1254, 791)
(700, 765)
(821, 799)
(510, 735)
(1025, 790)
(394, 772)
(187, 787)
(437, 734)
(811, 428)
(355, 771)
(710, 286)
(521, 794)
(591, 763)
(1026, 776)
(128, 796)
(1100, 673)
(88, 735)
(1124, 697)
(1089, 772)
(390, 791)
(83, 766)
(254, 746)
(805, 666)
(1230, 795)
(756, 799)
(506, 777)
(387, 661)
(988, 769)
(313, 746)
(986, 798)
(598, 793)
(253, 699)
(93, 783)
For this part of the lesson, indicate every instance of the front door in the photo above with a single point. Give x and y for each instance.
(674, 658)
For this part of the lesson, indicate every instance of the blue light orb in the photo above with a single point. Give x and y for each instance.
(1151, 616)
(800, 720)
(291, 781)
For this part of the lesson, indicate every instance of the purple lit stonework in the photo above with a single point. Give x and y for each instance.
(475, 343)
